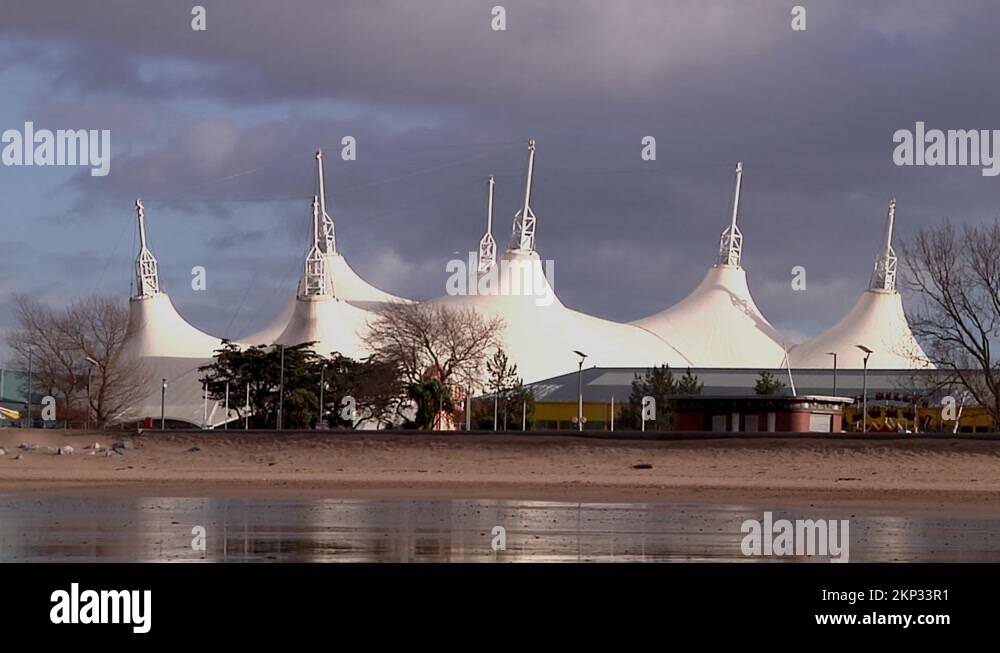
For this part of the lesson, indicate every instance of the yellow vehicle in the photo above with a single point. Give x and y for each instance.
(7, 413)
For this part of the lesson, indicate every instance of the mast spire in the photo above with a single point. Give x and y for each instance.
(146, 270)
(884, 276)
(488, 246)
(329, 239)
(731, 242)
(315, 282)
(524, 219)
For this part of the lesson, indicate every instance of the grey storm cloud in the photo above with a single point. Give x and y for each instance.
(218, 128)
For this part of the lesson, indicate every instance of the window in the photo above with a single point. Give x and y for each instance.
(750, 424)
(820, 423)
(718, 423)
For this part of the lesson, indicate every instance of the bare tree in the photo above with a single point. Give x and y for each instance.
(434, 348)
(956, 275)
(97, 327)
(61, 343)
(41, 336)
(435, 341)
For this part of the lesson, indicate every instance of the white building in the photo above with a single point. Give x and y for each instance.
(171, 349)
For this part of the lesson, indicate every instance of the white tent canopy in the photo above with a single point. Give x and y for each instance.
(169, 348)
(339, 322)
(719, 324)
(540, 339)
(540, 334)
(877, 322)
(155, 328)
(333, 325)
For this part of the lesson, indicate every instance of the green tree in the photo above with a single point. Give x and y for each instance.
(429, 397)
(768, 384)
(371, 386)
(260, 368)
(689, 384)
(658, 383)
(501, 380)
(519, 399)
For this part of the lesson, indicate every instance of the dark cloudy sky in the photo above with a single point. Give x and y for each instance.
(216, 130)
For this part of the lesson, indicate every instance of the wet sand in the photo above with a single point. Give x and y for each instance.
(912, 475)
(62, 528)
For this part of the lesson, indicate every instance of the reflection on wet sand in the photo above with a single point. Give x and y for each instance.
(136, 529)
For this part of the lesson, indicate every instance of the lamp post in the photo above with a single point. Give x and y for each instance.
(864, 391)
(90, 374)
(163, 403)
(834, 354)
(322, 382)
(28, 411)
(579, 387)
(281, 387)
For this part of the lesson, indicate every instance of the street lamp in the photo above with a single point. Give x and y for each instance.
(834, 354)
(864, 391)
(579, 387)
(322, 382)
(281, 388)
(90, 374)
(163, 403)
(28, 411)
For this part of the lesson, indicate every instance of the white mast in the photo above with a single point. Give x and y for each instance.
(329, 238)
(315, 283)
(147, 276)
(731, 243)
(884, 276)
(524, 219)
(488, 246)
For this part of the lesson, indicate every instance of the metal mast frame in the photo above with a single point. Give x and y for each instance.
(316, 281)
(488, 246)
(146, 269)
(524, 219)
(884, 276)
(329, 234)
(731, 241)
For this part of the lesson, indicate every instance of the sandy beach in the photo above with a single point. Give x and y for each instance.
(913, 474)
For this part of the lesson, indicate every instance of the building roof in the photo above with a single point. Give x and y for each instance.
(600, 384)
